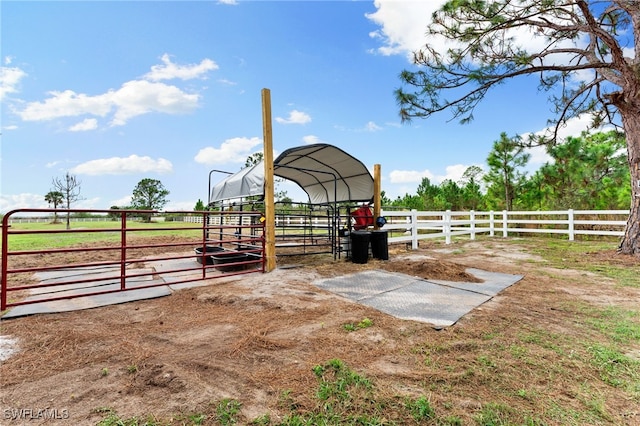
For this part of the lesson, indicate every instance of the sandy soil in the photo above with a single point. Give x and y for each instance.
(255, 337)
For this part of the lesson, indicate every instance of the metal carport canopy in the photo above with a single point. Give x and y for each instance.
(326, 173)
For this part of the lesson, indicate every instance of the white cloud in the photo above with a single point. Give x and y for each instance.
(133, 98)
(409, 176)
(121, 202)
(140, 97)
(22, 201)
(234, 150)
(403, 24)
(169, 70)
(84, 125)
(372, 127)
(181, 206)
(453, 172)
(36, 201)
(574, 127)
(538, 156)
(10, 127)
(67, 104)
(123, 166)
(88, 203)
(295, 117)
(311, 139)
(227, 82)
(9, 80)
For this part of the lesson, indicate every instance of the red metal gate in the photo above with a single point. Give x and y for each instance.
(129, 249)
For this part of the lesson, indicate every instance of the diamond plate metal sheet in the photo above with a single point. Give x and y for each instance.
(441, 303)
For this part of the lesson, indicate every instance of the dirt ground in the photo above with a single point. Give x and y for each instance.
(254, 338)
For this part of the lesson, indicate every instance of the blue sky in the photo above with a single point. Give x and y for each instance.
(117, 91)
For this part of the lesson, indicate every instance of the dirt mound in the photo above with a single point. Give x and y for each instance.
(432, 269)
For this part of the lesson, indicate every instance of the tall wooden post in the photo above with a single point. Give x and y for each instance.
(377, 189)
(269, 207)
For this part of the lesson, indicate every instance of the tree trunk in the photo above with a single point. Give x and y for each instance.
(630, 243)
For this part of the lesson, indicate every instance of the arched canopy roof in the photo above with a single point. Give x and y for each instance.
(326, 173)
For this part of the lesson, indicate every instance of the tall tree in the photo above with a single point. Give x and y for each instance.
(472, 197)
(451, 196)
(587, 172)
(582, 61)
(56, 198)
(504, 161)
(149, 194)
(429, 193)
(199, 206)
(69, 186)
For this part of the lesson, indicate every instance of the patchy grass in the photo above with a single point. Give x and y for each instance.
(561, 347)
(598, 257)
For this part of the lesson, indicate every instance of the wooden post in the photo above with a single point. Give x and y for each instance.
(269, 206)
(376, 194)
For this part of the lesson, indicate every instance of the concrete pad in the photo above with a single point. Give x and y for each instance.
(441, 303)
(87, 302)
(110, 280)
(163, 267)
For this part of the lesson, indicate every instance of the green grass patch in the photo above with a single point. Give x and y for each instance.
(617, 324)
(616, 369)
(365, 323)
(563, 254)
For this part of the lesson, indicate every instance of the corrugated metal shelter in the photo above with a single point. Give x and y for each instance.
(326, 173)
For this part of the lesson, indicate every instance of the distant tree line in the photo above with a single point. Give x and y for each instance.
(589, 172)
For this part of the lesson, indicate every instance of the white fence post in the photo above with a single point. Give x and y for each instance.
(472, 218)
(447, 226)
(492, 228)
(571, 225)
(504, 224)
(414, 229)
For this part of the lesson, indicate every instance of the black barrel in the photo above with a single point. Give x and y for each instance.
(380, 244)
(360, 246)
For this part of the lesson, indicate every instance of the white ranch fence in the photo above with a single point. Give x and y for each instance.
(412, 226)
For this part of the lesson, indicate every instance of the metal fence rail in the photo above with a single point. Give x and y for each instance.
(121, 250)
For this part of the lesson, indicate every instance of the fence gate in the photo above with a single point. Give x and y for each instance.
(130, 250)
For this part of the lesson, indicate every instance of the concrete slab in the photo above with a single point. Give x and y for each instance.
(441, 303)
(167, 283)
(111, 282)
(87, 302)
(163, 267)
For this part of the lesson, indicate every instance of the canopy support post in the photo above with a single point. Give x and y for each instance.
(269, 204)
(376, 195)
